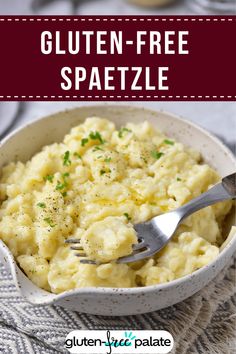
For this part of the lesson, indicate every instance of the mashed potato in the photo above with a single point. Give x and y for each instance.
(94, 186)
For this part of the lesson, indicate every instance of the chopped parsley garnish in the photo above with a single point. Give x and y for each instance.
(41, 205)
(178, 179)
(66, 159)
(49, 222)
(97, 148)
(76, 154)
(168, 142)
(65, 175)
(64, 194)
(96, 136)
(60, 185)
(156, 154)
(122, 131)
(49, 178)
(84, 141)
(127, 216)
(108, 159)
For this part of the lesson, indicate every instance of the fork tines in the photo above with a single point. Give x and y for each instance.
(87, 261)
(79, 248)
(140, 245)
(76, 248)
(72, 240)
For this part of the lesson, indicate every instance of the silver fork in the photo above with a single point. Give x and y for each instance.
(154, 234)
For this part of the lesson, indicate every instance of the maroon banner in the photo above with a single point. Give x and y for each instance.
(170, 58)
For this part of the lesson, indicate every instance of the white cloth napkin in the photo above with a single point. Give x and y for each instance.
(202, 324)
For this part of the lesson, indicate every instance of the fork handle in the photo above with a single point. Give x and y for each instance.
(214, 195)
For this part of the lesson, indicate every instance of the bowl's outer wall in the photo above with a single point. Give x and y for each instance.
(23, 144)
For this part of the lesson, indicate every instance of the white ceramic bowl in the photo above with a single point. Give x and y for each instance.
(25, 142)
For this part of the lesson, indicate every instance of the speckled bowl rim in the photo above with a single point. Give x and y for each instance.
(133, 290)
